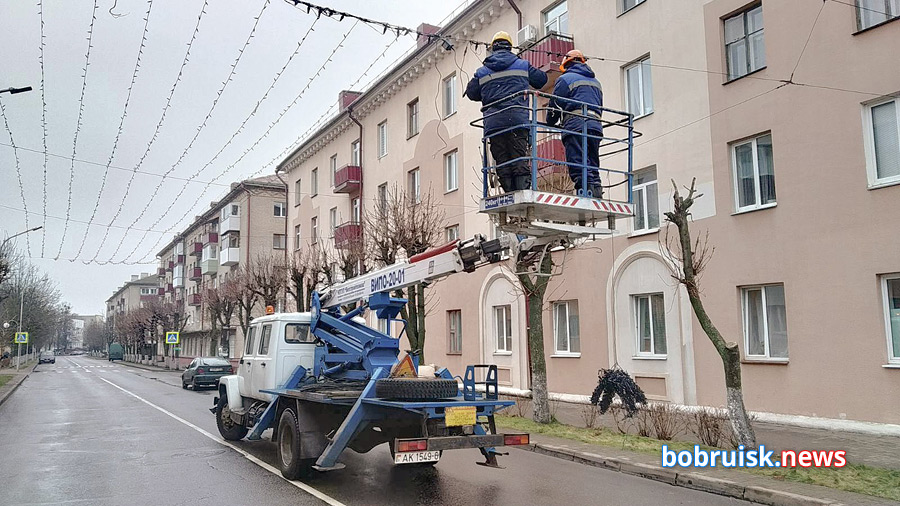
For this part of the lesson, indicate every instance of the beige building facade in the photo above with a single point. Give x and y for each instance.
(141, 289)
(787, 118)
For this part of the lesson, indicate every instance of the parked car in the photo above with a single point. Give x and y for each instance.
(47, 357)
(205, 371)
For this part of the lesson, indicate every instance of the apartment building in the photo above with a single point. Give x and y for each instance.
(249, 221)
(793, 145)
(133, 294)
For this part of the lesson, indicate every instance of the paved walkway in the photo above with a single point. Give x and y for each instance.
(17, 378)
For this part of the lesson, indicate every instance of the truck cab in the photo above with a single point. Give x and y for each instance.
(275, 345)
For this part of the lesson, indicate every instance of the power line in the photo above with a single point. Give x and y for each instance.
(231, 138)
(269, 129)
(808, 37)
(196, 135)
(112, 154)
(87, 62)
(43, 122)
(18, 171)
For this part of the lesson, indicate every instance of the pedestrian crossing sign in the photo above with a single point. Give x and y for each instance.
(21, 338)
(171, 337)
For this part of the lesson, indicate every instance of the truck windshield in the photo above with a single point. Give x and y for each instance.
(297, 333)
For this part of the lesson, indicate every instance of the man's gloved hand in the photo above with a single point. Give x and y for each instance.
(553, 116)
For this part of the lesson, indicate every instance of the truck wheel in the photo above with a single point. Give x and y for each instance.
(416, 389)
(229, 430)
(292, 466)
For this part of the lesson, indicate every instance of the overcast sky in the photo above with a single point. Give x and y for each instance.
(117, 33)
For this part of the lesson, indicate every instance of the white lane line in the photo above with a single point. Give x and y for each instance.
(299, 484)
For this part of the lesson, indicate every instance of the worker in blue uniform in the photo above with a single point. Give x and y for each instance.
(578, 83)
(505, 74)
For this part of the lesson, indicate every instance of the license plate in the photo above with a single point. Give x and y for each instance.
(216, 369)
(416, 457)
(459, 416)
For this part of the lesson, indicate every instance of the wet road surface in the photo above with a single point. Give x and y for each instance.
(84, 431)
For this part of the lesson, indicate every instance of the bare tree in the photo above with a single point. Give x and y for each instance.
(689, 260)
(269, 278)
(222, 303)
(246, 298)
(297, 279)
(534, 270)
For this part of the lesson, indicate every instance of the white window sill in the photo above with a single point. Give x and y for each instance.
(884, 183)
(649, 357)
(751, 209)
(450, 115)
(891, 366)
(763, 360)
(565, 355)
(642, 116)
(503, 353)
(447, 192)
(642, 232)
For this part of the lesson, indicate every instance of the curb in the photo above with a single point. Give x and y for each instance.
(693, 481)
(144, 367)
(15, 384)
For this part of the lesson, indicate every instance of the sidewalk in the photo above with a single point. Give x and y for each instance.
(732, 483)
(17, 378)
(140, 366)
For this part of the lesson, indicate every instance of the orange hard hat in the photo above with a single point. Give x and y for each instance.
(572, 55)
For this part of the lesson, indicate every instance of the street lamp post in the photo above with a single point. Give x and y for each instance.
(13, 91)
(22, 292)
(20, 233)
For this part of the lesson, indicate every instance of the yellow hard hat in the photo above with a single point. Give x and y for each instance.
(572, 55)
(501, 35)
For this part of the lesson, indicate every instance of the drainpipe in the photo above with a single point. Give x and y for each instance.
(361, 178)
(284, 292)
(512, 3)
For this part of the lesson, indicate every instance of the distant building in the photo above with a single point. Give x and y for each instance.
(79, 323)
(141, 289)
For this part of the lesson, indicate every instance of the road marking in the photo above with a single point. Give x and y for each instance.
(299, 484)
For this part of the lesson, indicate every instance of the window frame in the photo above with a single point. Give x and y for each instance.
(333, 219)
(314, 182)
(414, 176)
(757, 187)
(332, 167)
(506, 349)
(449, 103)
(623, 9)
(869, 139)
(889, 15)
(275, 244)
(642, 187)
(249, 340)
(412, 118)
(454, 336)
(382, 134)
(298, 191)
(893, 355)
(382, 198)
(653, 354)
(297, 324)
(451, 233)
(454, 157)
(314, 229)
(639, 63)
(265, 340)
(746, 37)
(745, 321)
(568, 352)
(545, 22)
(355, 154)
(297, 237)
(283, 210)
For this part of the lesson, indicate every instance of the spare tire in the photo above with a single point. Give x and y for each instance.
(416, 389)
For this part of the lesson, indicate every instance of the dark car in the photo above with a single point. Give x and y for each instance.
(47, 357)
(205, 371)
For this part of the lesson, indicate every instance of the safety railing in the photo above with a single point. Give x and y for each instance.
(616, 142)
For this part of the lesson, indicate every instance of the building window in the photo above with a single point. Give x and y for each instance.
(314, 229)
(332, 167)
(503, 328)
(451, 172)
(356, 210)
(298, 192)
(412, 118)
(565, 327)
(412, 180)
(765, 322)
(627, 5)
(882, 131)
(754, 173)
(229, 211)
(639, 88)
(332, 219)
(452, 233)
(314, 182)
(233, 240)
(556, 19)
(454, 332)
(382, 139)
(279, 241)
(449, 95)
(872, 12)
(354, 153)
(745, 48)
(646, 200)
(650, 323)
(891, 288)
(296, 237)
(382, 198)
(280, 209)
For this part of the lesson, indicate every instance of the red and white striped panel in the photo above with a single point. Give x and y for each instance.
(612, 207)
(562, 200)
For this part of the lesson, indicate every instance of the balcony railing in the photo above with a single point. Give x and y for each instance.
(162, 271)
(229, 224)
(347, 234)
(179, 259)
(209, 266)
(229, 256)
(161, 291)
(147, 297)
(545, 55)
(194, 299)
(210, 238)
(196, 274)
(196, 248)
(170, 288)
(348, 179)
(171, 265)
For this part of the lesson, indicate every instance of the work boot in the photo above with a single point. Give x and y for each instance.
(507, 183)
(523, 182)
(596, 191)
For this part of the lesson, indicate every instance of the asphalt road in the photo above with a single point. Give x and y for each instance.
(84, 432)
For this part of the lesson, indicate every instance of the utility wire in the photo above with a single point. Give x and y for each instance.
(18, 171)
(87, 62)
(112, 154)
(196, 135)
(808, 37)
(43, 123)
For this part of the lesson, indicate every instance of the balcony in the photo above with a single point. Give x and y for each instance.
(209, 266)
(348, 179)
(551, 148)
(209, 238)
(170, 288)
(171, 265)
(162, 271)
(147, 297)
(179, 259)
(537, 55)
(194, 299)
(161, 291)
(196, 248)
(229, 224)
(347, 234)
(196, 274)
(229, 256)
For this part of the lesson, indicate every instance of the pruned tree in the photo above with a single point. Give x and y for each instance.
(689, 258)
(221, 303)
(297, 279)
(268, 276)
(534, 270)
(245, 297)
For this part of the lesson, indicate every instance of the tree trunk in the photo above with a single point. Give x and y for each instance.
(534, 293)
(420, 318)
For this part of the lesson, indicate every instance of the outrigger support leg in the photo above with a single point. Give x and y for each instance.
(490, 453)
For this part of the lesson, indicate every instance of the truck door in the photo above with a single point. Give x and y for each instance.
(264, 366)
(247, 362)
(298, 348)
